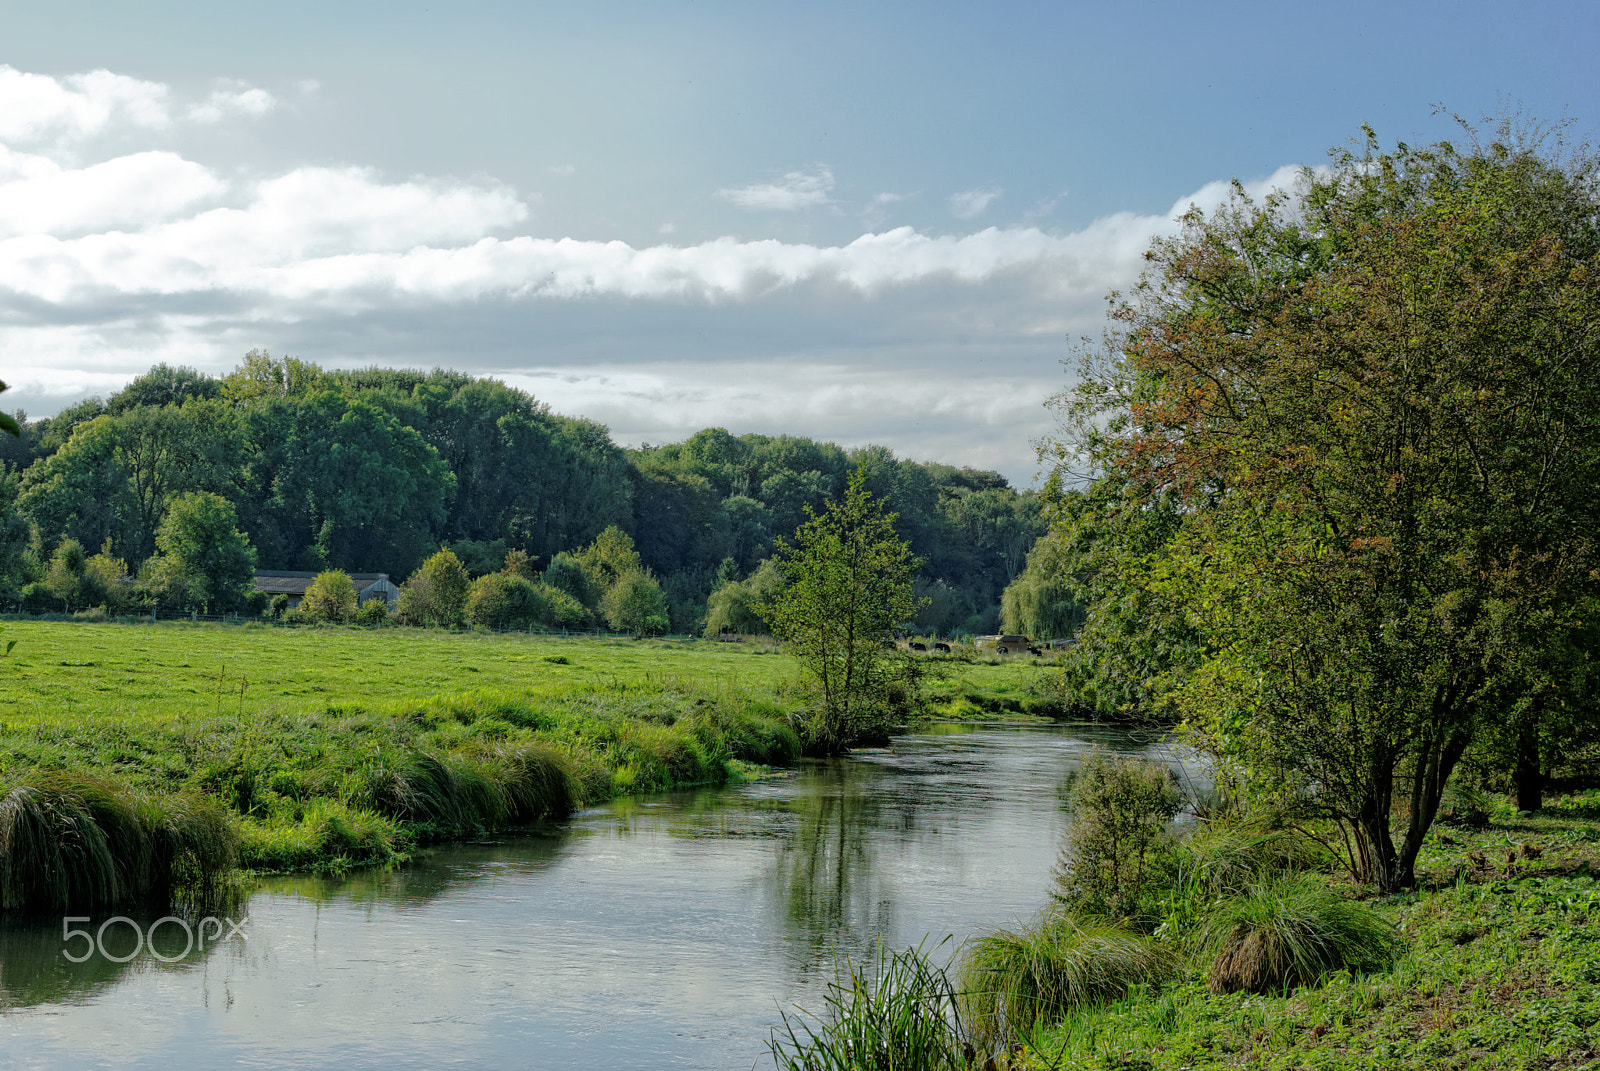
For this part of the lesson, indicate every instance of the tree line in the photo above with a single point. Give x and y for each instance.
(110, 501)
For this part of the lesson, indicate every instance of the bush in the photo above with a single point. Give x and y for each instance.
(564, 611)
(436, 594)
(501, 600)
(1012, 982)
(1290, 933)
(373, 613)
(635, 604)
(331, 597)
(1119, 848)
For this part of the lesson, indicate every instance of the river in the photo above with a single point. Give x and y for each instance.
(664, 932)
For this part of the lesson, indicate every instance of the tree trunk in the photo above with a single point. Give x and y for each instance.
(1436, 761)
(1528, 778)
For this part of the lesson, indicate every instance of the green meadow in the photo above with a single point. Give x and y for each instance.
(324, 748)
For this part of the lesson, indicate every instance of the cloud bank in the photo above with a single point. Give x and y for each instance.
(946, 343)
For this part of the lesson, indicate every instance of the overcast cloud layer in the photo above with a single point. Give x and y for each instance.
(117, 252)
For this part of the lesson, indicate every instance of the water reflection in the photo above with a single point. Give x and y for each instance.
(651, 934)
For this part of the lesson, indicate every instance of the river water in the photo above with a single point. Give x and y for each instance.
(649, 934)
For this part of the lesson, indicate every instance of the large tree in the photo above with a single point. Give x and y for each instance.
(1378, 404)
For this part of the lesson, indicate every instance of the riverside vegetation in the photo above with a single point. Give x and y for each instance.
(1237, 942)
(136, 758)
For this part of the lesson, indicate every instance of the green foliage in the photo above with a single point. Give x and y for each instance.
(1369, 412)
(436, 594)
(1013, 982)
(635, 604)
(732, 606)
(1119, 852)
(331, 597)
(566, 573)
(901, 1015)
(848, 583)
(499, 600)
(203, 554)
(1291, 933)
(1040, 602)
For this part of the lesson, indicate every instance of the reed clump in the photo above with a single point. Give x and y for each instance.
(73, 842)
(1013, 981)
(1289, 933)
(902, 1014)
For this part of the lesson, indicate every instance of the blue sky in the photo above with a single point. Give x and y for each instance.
(872, 222)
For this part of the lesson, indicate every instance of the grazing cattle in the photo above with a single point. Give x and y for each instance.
(942, 648)
(1034, 650)
(919, 647)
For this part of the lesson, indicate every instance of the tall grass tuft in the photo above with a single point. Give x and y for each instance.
(1290, 933)
(1226, 858)
(903, 1015)
(535, 779)
(74, 842)
(1014, 981)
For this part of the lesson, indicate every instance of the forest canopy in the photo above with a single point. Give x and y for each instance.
(374, 470)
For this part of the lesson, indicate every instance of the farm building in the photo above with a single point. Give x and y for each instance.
(293, 583)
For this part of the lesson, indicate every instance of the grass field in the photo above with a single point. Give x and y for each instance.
(329, 747)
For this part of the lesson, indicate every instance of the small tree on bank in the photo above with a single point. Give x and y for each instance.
(849, 582)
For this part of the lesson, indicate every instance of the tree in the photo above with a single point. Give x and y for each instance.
(436, 594)
(849, 580)
(636, 604)
(732, 606)
(1040, 602)
(506, 600)
(331, 597)
(203, 554)
(1378, 408)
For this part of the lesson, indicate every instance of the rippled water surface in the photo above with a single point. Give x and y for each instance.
(652, 934)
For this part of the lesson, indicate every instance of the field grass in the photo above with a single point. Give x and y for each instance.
(333, 747)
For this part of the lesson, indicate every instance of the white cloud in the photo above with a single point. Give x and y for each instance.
(39, 197)
(39, 108)
(35, 107)
(149, 256)
(973, 203)
(798, 189)
(232, 98)
(562, 170)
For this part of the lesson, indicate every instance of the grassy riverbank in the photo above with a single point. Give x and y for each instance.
(1499, 968)
(1493, 962)
(326, 748)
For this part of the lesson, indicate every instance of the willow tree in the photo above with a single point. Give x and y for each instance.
(1378, 399)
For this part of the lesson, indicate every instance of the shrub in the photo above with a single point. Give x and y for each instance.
(331, 597)
(1290, 933)
(1014, 981)
(436, 594)
(903, 1016)
(564, 611)
(373, 612)
(502, 600)
(635, 604)
(1119, 848)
